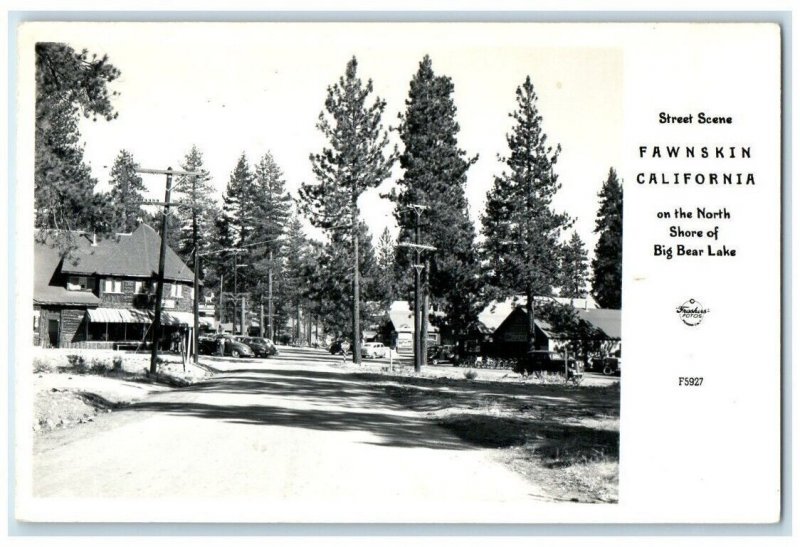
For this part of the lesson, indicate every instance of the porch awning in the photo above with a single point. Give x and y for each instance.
(117, 315)
(177, 318)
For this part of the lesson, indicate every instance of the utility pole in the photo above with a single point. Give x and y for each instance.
(269, 299)
(418, 267)
(196, 283)
(220, 301)
(243, 327)
(161, 257)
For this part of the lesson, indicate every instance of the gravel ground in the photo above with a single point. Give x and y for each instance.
(69, 392)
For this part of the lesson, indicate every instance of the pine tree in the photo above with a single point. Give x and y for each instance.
(68, 84)
(574, 268)
(330, 286)
(521, 230)
(386, 283)
(193, 199)
(435, 171)
(354, 162)
(274, 204)
(239, 209)
(607, 261)
(294, 281)
(126, 193)
(273, 211)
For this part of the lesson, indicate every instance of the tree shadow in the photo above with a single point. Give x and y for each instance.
(346, 401)
(331, 403)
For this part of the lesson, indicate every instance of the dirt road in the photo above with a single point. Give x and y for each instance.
(293, 429)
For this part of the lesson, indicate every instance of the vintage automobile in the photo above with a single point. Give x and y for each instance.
(262, 347)
(439, 354)
(373, 350)
(209, 345)
(610, 365)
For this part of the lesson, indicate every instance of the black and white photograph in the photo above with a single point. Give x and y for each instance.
(349, 272)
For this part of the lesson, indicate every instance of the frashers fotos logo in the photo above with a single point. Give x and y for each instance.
(692, 312)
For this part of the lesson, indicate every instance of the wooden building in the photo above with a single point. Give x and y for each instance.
(102, 294)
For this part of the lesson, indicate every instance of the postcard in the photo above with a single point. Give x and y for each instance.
(329, 272)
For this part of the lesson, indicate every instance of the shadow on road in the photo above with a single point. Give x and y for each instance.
(331, 402)
(335, 401)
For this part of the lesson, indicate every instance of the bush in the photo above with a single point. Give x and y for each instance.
(470, 374)
(99, 366)
(41, 364)
(116, 363)
(78, 363)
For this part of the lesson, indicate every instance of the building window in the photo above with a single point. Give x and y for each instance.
(79, 283)
(36, 321)
(176, 290)
(112, 286)
(141, 287)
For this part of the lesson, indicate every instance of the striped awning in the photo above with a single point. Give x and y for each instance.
(117, 315)
(177, 318)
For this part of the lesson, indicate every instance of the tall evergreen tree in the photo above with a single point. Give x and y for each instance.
(294, 281)
(68, 84)
(435, 172)
(193, 198)
(274, 204)
(521, 229)
(386, 282)
(273, 211)
(236, 227)
(238, 208)
(331, 285)
(607, 261)
(574, 268)
(354, 162)
(126, 193)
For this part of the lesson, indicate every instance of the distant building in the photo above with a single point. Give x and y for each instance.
(103, 294)
(504, 326)
(399, 323)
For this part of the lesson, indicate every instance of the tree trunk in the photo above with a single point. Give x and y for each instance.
(356, 299)
(423, 328)
(530, 307)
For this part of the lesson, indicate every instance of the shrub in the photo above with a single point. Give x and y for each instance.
(116, 363)
(470, 374)
(41, 364)
(78, 363)
(98, 366)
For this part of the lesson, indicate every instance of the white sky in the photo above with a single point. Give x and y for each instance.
(233, 88)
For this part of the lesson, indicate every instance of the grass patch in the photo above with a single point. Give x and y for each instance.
(564, 438)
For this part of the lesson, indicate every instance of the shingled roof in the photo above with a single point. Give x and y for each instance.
(46, 289)
(129, 255)
(122, 255)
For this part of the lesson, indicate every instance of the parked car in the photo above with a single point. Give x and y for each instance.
(546, 361)
(438, 354)
(609, 365)
(262, 347)
(373, 350)
(209, 345)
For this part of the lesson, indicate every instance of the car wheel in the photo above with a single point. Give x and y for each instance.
(235, 354)
(434, 361)
(608, 370)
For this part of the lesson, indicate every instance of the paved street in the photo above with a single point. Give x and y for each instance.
(292, 428)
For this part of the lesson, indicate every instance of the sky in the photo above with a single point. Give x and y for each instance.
(251, 88)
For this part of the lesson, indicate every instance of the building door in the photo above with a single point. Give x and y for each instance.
(52, 331)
